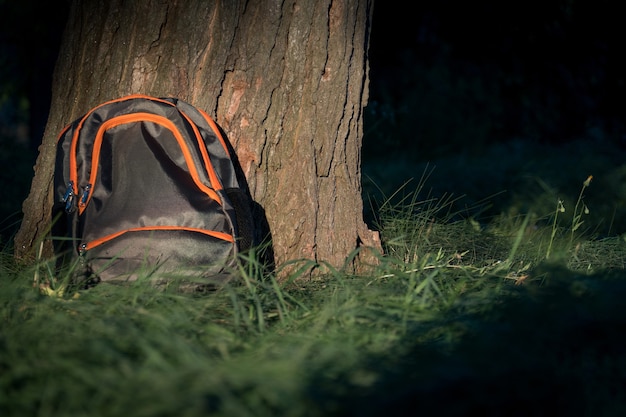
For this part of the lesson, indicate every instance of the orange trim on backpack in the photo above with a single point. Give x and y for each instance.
(63, 131)
(131, 118)
(216, 130)
(74, 143)
(97, 242)
(215, 181)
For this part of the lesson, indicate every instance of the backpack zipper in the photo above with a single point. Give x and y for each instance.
(74, 146)
(84, 247)
(132, 118)
(74, 141)
(68, 198)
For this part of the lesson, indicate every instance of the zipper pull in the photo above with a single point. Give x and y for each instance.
(82, 250)
(85, 196)
(68, 198)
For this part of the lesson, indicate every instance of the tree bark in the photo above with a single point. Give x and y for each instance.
(286, 80)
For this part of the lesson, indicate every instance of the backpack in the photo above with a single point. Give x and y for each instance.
(146, 185)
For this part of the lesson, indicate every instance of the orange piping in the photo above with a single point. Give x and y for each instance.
(219, 235)
(216, 130)
(74, 145)
(215, 181)
(137, 117)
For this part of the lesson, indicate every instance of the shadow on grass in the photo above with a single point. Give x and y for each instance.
(551, 349)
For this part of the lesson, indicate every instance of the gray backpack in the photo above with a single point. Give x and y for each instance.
(147, 185)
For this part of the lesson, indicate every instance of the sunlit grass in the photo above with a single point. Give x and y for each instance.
(461, 314)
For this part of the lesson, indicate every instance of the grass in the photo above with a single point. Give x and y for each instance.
(513, 314)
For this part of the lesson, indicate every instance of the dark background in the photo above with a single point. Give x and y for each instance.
(506, 107)
(452, 74)
(30, 35)
(447, 78)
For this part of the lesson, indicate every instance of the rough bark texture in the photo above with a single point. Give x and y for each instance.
(286, 80)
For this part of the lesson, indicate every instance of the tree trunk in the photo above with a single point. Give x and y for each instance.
(286, 80)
